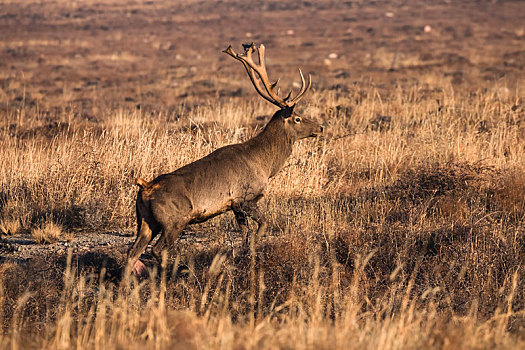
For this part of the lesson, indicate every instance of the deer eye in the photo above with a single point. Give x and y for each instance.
(297, 120)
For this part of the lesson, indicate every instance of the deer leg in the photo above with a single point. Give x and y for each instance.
(167, 241)
(144, 236)
(242, 221)
(251, 210)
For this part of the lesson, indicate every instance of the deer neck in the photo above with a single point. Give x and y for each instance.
(272, 146)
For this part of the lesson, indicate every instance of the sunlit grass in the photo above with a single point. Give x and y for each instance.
(392, 235)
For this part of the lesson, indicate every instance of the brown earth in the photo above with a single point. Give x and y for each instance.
(160, 55)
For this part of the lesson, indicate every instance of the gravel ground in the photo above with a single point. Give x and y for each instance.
(21, 248)
(92, 248)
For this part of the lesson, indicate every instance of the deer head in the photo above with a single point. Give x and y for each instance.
(296, 126)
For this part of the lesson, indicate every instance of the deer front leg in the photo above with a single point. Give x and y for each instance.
(252, 211)
(242, 221)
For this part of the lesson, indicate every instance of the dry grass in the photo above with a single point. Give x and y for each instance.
(48, 232)
(402, 228)
(407, 235)
(10, 227)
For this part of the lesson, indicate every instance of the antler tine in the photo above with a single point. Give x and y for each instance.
(268, 93)
(248, 52)
(252, 68)
(262, 65)
(288, 96)
(275, 84)
(304, 88)
(257, 74)
(263, 74)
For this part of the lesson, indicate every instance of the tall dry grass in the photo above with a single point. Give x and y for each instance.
(403, 228)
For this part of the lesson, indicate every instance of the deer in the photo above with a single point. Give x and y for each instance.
(231, 178)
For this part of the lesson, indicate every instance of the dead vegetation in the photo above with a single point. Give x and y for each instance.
(402, 228)
(48, 232)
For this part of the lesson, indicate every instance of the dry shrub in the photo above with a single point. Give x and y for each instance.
(461, 191)
(48, 232)
(39, 282)
(338, 261)
(10, 227)
(438, 180)
(284, 262)
(508, 195)
(450, 191)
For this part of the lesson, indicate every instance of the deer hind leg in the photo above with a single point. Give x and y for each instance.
(167, 241)
(145, 235)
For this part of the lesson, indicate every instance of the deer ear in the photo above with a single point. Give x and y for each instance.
(287, 112)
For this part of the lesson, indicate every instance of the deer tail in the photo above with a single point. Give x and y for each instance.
(141, 183)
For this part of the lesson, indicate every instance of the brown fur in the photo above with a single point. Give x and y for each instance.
(141, 183)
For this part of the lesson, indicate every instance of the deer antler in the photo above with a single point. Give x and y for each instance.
(269, 92)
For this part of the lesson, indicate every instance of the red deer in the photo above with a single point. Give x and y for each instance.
(232, 177)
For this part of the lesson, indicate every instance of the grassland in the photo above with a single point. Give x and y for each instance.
(402, 228)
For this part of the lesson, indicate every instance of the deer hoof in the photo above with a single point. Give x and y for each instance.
(140, 270)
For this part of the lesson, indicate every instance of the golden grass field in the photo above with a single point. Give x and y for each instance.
(402, 228)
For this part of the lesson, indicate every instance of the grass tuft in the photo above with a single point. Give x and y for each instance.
(10, 227)
(48, 232)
